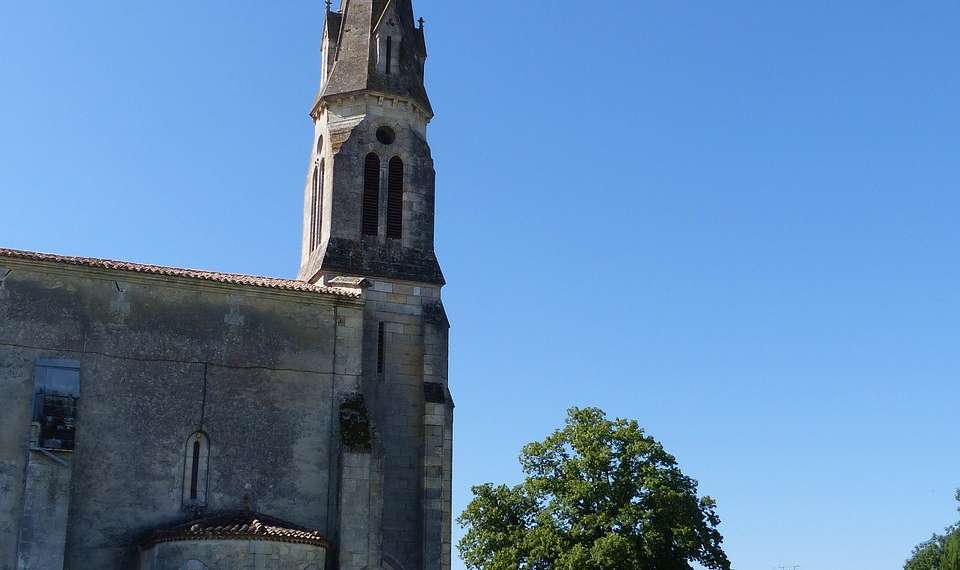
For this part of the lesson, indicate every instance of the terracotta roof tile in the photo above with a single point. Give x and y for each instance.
(230, 278)
(238, 525)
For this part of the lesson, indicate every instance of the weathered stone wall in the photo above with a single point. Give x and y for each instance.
(416, 440)
(360, 511)
(16, 393)
(46, 501)
(438, 442)
(233, 555)
(258, 370)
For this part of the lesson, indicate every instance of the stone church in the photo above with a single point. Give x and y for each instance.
(157, 418)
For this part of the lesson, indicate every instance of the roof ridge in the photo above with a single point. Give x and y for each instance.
(280, 283)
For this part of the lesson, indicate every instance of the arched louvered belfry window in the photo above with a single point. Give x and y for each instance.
(196, 460)
(371, 195)
(395, 199)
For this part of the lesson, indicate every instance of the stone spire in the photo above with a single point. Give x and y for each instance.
(375, 46)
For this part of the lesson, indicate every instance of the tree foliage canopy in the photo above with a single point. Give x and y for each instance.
(950, 559)
(941, 552)
(598, 495)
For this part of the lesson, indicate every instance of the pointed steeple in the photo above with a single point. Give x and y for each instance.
(379, 48)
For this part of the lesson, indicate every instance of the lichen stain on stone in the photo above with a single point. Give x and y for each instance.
(355, 424)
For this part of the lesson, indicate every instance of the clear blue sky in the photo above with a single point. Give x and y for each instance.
(734, 221)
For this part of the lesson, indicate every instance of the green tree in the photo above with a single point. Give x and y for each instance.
(926, 556)
(598, 495)
(941, 552)
(950, 560)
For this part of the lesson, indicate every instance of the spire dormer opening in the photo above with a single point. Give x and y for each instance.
(388, 49)
(389, 61)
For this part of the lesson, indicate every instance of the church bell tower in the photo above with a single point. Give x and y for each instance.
(369, 201)
(369, 221)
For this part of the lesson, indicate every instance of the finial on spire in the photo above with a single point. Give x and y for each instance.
(420, 21)
(329, 4)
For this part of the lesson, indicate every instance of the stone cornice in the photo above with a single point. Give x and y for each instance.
(323, 103)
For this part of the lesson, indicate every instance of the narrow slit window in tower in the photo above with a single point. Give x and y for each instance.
(395, 199)
(380, 349)
(371, 195)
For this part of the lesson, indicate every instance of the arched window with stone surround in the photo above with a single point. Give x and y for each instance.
(318, 176)
(314, 207)
(371, 195)
(196, 462)
(316, 197)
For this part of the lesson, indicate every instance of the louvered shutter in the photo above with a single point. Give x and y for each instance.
(371, 194)
(395, 199)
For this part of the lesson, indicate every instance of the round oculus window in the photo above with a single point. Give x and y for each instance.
(386, 135)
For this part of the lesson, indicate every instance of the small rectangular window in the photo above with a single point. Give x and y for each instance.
(380, 349)
(55, 396)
